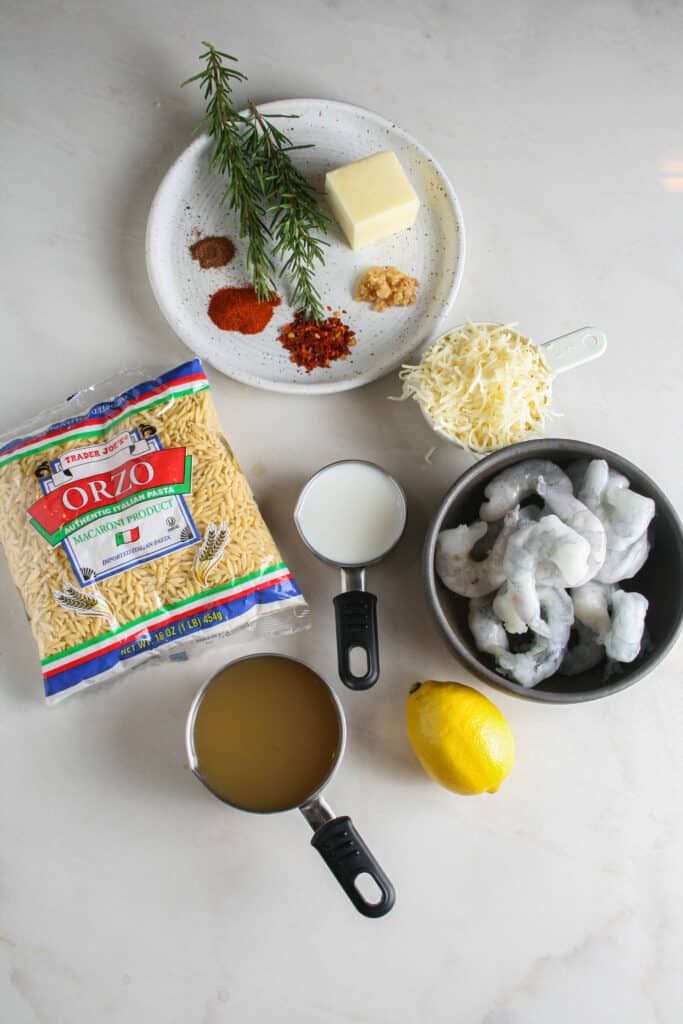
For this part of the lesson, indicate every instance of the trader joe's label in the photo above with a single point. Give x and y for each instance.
(117, 504)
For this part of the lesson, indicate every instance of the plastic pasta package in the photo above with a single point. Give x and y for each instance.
(130, 530)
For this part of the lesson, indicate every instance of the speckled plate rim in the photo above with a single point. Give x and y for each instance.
(411, 345)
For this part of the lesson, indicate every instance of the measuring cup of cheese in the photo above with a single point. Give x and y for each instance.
(484, 386)
(266, 734)
(351, 514)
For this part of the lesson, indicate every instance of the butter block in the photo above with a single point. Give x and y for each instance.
(371, 198)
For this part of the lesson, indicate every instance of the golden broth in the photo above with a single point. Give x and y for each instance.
(266, 733)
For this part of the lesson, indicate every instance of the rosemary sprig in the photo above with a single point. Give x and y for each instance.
(242, 193)
(276, 207)
(296, 215)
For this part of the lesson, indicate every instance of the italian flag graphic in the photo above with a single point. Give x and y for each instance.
(128, 536)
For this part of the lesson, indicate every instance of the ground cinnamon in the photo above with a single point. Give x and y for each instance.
(215, 251)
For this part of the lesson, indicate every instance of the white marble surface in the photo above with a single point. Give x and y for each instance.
(126, 893)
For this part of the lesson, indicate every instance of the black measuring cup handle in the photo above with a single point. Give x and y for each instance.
(356, 617)
(344, 851)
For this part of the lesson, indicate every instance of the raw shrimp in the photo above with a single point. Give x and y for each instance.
(518, 482)
(547, 552)
(545, 655)
(591, 608)
(584, 655)
(579, 517)
(591, 532)
(626, 516)
(624, 513)
(625, 635)
(615, 616)
(456, 567)
(623, 565)
(506, 605)
(590, 479)
(485, 626)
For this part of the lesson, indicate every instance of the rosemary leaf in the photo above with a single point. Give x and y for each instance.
(242, 194)
(277, 209)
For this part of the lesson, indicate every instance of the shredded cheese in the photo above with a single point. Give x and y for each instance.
(484, 386)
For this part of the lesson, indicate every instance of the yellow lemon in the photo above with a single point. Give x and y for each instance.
(461, 739)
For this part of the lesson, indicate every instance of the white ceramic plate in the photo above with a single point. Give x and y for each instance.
(433, 250)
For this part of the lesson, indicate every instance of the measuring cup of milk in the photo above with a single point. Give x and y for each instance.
(351, 514)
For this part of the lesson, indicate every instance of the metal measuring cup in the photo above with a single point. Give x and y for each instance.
(335, 838)
(355, 608)
(566, 352)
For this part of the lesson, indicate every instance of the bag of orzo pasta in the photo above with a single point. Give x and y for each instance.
(130, 529)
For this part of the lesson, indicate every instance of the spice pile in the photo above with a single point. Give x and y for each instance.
(215, 251)
(314, 345)
(239, 309)
(386, 286)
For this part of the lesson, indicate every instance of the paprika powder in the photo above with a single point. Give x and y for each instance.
(238, 309)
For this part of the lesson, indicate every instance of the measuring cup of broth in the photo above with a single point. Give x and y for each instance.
(266, 734)
(351, 514)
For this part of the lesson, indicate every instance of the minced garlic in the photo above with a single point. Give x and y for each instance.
(386, 286)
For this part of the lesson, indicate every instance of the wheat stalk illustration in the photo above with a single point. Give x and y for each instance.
(84, 602)
(210, 551)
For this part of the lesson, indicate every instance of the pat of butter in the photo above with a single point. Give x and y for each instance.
(371, 198)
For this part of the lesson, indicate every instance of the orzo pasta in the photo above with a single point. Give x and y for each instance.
(129, 527)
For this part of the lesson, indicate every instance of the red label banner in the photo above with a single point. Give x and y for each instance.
(156, 469)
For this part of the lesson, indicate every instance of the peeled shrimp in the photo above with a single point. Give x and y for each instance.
(624, 513)
(485, 626)
(512, 613)
(615, 616)
(547, 552)
(625, 635)
(515, 563)
(623, 565)
(580, 518)
(590, 479)
(545, 655)
(518, 482)
(584, 655)
(627, 516)
(591, 607)
(459, 571)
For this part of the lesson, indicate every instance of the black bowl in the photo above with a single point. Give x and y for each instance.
(660, 579)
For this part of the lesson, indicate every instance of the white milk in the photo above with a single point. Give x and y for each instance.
(352, 513)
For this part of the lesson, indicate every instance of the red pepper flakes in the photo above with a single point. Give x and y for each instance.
(315, 345)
